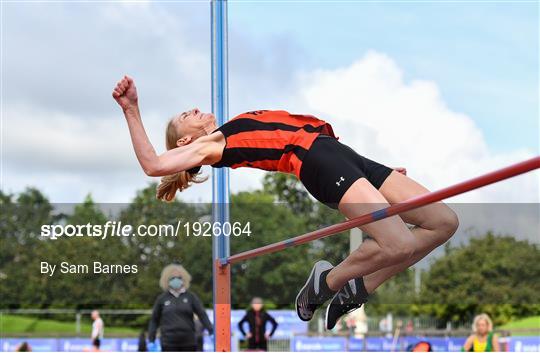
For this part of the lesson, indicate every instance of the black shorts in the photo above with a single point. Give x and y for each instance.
(96, 342)
(329, 168)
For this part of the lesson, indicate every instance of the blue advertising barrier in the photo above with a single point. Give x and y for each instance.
(378, 344)
(438, 344)
(298, 344)
(383, 344)
(525, 344)
(318, 344)
(84, 344)
(127, 344)
(37, 344)
(456, 343)
(356, 345)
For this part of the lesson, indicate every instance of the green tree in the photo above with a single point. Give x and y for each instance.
(396, 295)
(154, 253)
(290, 192)
(493, 274)
(286, 188)
(275, 277)
(20, 225)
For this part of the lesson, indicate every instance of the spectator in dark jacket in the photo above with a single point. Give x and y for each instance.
(174, 312)
(257, 317)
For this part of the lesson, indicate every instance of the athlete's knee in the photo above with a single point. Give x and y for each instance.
(447, 223)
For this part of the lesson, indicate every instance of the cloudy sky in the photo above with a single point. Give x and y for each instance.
(448, 90)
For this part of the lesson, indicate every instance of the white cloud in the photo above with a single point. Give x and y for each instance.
(371, 107)
(408, 124)
(63, 133)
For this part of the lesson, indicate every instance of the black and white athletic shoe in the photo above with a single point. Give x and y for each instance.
(347, 299)
(315, 292)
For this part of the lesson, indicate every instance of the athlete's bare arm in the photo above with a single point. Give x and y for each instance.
(202, 151)
(468, 344)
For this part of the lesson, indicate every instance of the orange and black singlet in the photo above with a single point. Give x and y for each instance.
(301, 145)
(272, 140)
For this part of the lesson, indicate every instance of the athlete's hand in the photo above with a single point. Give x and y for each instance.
(249, 335)
(125, 93)
(401, 170)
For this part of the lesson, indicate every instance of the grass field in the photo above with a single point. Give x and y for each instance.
(532, 323)
(21, 325)
(15, 324)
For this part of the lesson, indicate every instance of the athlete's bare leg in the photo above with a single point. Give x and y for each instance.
(392, 242)
(393, 247)
(433, 224)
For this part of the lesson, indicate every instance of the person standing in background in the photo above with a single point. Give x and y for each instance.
(257, 317)
(483, 339)
(357, 320)
(98, 330)
(23, 347)
(174, 312)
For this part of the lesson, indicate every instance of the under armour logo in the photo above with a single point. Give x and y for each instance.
(338, 183)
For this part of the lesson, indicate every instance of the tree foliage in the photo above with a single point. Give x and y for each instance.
(493, 274)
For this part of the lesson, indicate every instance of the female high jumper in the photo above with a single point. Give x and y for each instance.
(332, 173)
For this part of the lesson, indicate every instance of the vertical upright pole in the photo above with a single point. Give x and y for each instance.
(356, 237)
(220, 187)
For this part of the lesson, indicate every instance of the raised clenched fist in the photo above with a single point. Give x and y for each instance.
(125, 93)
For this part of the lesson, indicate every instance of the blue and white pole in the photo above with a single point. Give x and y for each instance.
(220, 177)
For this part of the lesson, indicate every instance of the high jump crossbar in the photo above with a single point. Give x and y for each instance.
(411, 204)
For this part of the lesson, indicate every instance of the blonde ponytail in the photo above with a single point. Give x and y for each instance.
(180, 181)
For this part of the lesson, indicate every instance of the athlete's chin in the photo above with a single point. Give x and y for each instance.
(208, 117)
(211, 121)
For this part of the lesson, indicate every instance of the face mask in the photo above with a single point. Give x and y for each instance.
(176, 283)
